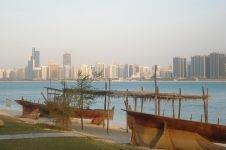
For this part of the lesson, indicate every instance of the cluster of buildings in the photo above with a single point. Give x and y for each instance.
(212, 66)
(115, 71)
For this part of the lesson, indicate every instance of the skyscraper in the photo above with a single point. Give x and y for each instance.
(126, 71)
(36, 57)
(207, 61)
(100, 70)
(217, 65)
(33, 62)
(45, 72)
(53, 71)
(66, 59)
(199, 66)
(86, 70)
(131, 71)
(66, 70)
(114, 71)
(29, 69)
(179, 67)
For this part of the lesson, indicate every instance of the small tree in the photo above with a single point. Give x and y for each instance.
(60, 110)
(81, 98)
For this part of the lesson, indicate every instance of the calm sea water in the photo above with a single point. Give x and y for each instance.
(217, 101)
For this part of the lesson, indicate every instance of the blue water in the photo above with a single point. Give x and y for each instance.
(217, 101)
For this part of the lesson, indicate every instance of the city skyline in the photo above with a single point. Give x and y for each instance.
(211, 66)
(141, 32)
(60, 60)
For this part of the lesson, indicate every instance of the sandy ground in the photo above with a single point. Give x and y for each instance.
(10, 112)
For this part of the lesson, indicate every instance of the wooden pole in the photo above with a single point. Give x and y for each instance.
(191, 117)
(159, 108)
(127, 99)
(127, 103)
(207, 109)
(156, 105)
(108, 105)
(105, 101)
(204, 104)
(173, 108)
(156, 96)
(179, 111)
(135, 104)
(155, 78)
(142, 101)
(105, 96)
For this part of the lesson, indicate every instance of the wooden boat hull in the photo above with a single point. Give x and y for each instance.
(211, 132)
(94, 113)
(34, 110)
(97, 115)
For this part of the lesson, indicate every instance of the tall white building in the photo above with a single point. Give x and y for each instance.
(100, 70)
(45, 73)
(37, 73)
(145, 72)
(136, 72)
(86, 70)
(114, 71)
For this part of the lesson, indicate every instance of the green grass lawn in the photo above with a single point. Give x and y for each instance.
(15, 126)
(65, 143)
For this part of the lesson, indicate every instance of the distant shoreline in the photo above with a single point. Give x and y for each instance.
(124, 81)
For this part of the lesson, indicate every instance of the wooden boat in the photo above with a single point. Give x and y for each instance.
(32, 110)
(169, 133)
(97, 115)
(35, 110)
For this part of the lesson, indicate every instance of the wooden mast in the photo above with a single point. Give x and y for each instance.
(156, 96)
(179, 110)
(173, 108)
(207, 111)
(205, 105)
(158, 100)
(142, 101)
(127, 103)
(135, 104)
(109, 89)
(105, 100)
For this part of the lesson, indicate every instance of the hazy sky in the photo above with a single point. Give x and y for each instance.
(124, 31)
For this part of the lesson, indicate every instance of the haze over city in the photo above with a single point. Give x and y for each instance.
(142, 32)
